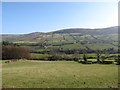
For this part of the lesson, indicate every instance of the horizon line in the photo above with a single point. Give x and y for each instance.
(54, 30)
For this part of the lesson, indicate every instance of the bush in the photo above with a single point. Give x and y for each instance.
(60, 56)
(15, 52)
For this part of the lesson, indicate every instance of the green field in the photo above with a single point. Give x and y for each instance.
(58, 74)
(74, 40)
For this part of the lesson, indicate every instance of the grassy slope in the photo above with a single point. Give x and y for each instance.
(67, 41)
(60, 74)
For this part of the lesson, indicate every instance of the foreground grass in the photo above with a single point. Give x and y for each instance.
(59, 74)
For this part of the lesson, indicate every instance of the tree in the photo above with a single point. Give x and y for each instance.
(84, 54)
(98, 54)
(85, 57)
(77, 56)
(15, 52)
(6, 43)
(103, 58)
(118, 60)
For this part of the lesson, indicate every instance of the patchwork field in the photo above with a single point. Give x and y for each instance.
(60, 53)
(58, 74)
(68, 39)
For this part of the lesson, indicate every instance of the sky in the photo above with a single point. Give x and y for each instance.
(28, 17)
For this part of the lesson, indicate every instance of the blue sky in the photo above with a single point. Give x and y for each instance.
(27, 17)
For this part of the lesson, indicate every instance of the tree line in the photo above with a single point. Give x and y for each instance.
(14, 51)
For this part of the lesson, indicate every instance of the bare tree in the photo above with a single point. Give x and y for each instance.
(98, 54)
(77, 55)
(85, 57)
(15, 52)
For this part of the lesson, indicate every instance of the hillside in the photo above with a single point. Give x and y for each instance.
(110, 30)
(73, 38)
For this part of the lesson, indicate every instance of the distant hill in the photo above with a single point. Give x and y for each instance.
(37, 36)
(68, 39)
(110, 30)
(21, 37)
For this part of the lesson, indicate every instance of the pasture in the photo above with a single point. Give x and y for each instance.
(58, 74)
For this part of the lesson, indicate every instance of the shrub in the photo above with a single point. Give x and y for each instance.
(15, 52)
(60, 56)
(84, 57)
